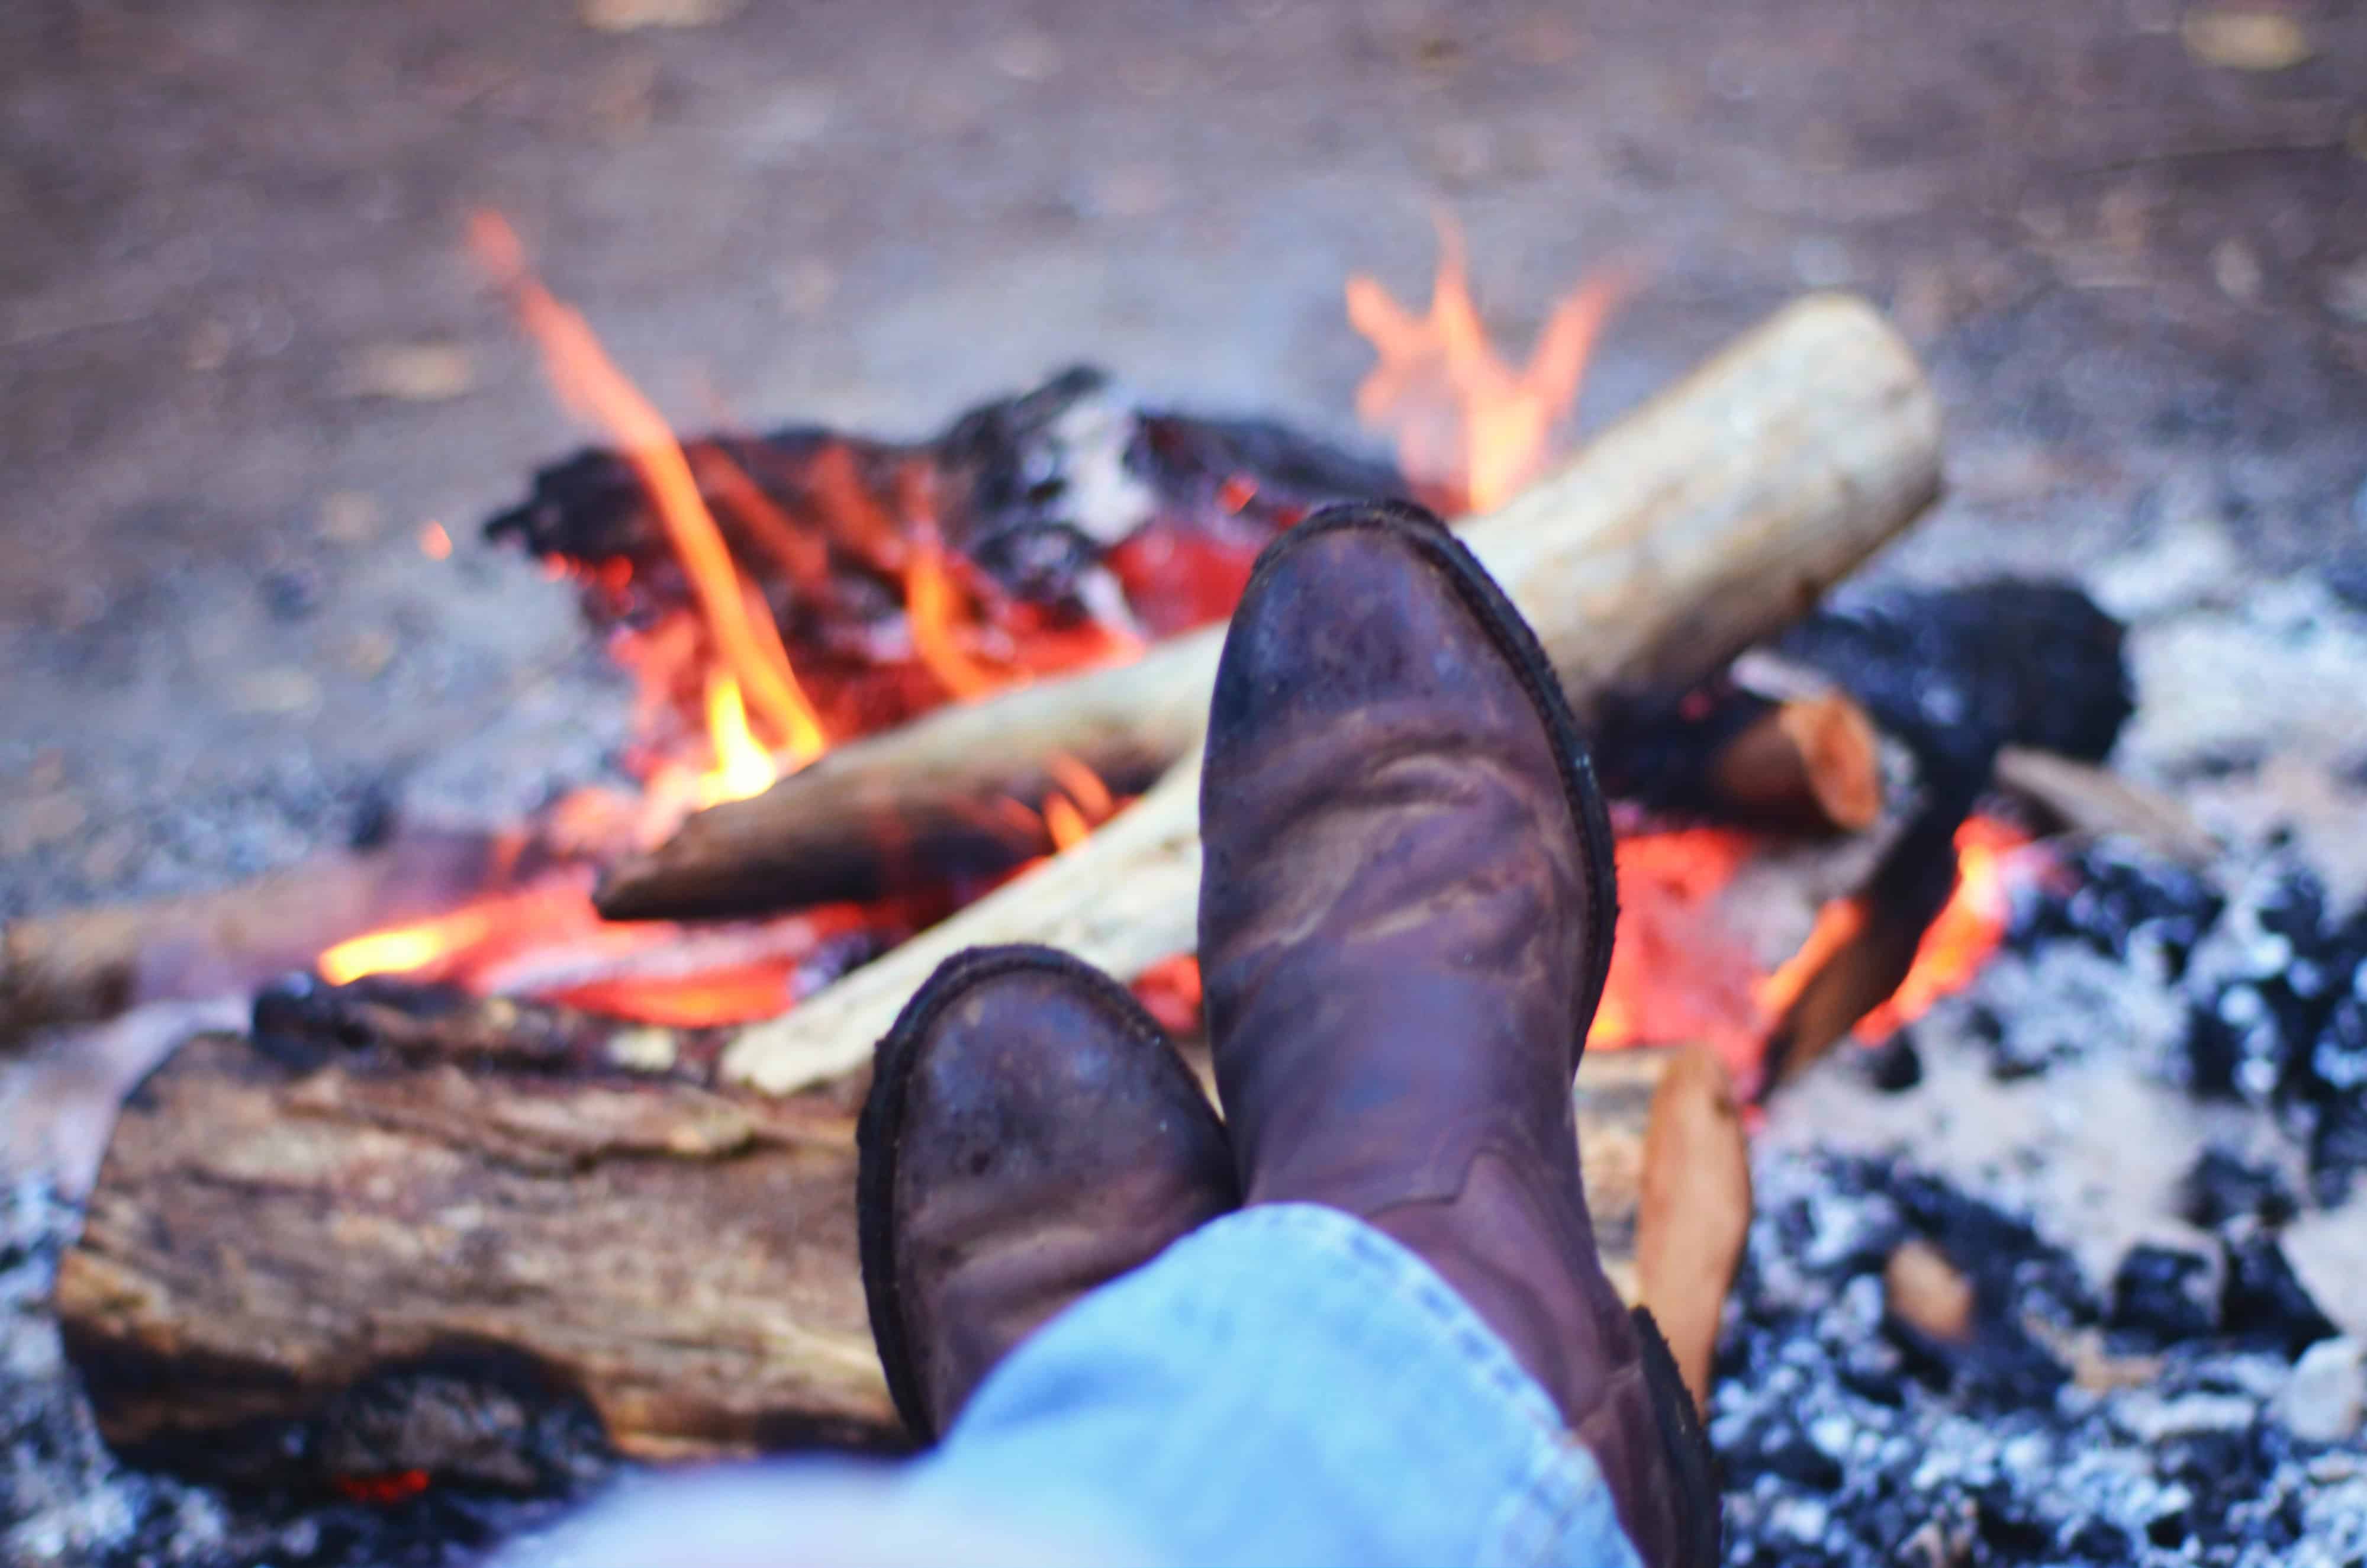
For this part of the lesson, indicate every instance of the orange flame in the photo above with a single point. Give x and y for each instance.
(1470, 429)
(1991, 857)
(401, 949)
(930, 602)
(741, 767)
(590, 383)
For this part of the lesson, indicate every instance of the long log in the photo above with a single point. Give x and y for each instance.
(1797, 451)
(1710, 520)
(86, 964)
(400, 1257)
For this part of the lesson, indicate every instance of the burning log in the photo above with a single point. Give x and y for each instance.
(1966, 678)
(88, 964)
(1809, 764)
(1649, 564)
(1712, 517)
(384, 1233)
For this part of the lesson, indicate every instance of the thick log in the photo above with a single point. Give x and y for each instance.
(1790, 456)
(367, 1259)
(1710, 520)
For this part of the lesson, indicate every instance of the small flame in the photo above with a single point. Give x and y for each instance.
(932, 604)
(1992, 859)
(401, 949)
(433, 542)
(589, 381)
(1064, 822)
(743, 768)
(1470, 429)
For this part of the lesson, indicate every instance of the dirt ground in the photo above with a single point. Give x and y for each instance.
(244, 359)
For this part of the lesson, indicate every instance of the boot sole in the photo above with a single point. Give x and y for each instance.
(1512, 636)
(879, 1132)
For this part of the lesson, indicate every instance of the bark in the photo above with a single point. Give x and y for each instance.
(379, 1246)
(1709, 518)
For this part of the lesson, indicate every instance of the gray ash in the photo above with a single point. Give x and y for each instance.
(2275, 981)
(1851, 1438)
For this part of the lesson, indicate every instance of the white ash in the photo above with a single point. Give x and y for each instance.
(2140, 1389)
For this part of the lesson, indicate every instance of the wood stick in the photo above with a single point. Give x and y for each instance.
(1709, 520)
(1797, 451)
(87, 965)
(384, 1246)
(1729, 755)
(1694, 1212)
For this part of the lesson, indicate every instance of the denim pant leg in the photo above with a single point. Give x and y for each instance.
(1285, 1385)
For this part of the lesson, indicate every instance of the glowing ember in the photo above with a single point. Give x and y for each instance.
(1677, 973)
(1471, 430)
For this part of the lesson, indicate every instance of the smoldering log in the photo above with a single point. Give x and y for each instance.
(1616, 561)
(2033, 671)
(87, 965)
(401, 1231)
(1727, 754)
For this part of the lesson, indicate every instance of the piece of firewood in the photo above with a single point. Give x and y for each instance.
(1725, 755)
(364, 1248)
(1694, 1212)
(2086, 800)
(1711, 517)
(86, 964)
(1864, 945)
(1658, 573)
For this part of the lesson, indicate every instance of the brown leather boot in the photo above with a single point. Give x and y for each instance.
(1031, 1134)
(1405, 922)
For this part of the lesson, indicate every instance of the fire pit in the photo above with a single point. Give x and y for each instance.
(541, 1155)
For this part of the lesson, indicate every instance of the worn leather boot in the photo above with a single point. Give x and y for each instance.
(1030, 1134)
(1405, 922)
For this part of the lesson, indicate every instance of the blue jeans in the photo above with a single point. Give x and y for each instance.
(1285, 1385)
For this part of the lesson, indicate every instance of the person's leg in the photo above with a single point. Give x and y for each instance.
(1406, 917)
(1285, 1385)
(1030, 1134)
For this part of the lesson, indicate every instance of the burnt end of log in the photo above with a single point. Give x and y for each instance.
(1958, 673)
(1726, 754)
(1905, 892)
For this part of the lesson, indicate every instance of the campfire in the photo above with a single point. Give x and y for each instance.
(539, 1143)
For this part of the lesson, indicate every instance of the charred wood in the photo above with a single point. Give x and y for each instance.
(390, 1242)
(1727, 754)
